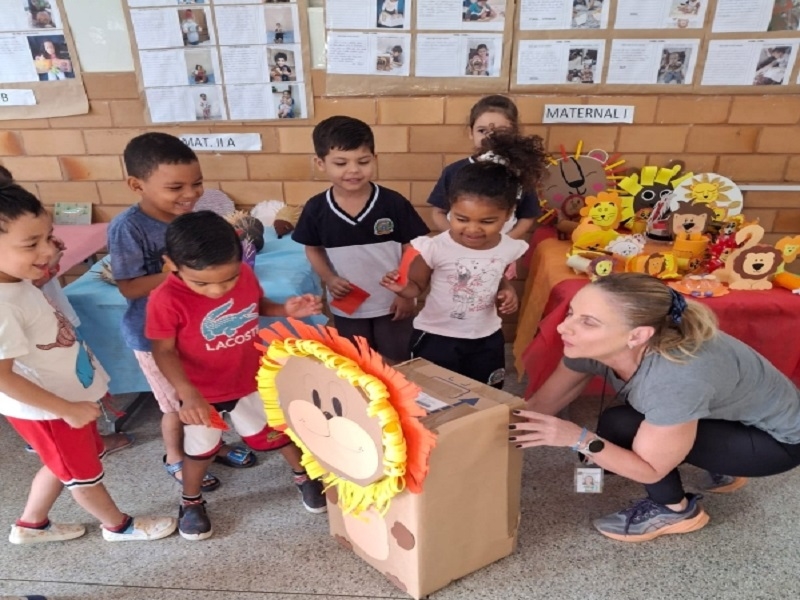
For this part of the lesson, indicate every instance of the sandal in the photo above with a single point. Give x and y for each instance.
(237, 457)
(124, 440)
(210, 482)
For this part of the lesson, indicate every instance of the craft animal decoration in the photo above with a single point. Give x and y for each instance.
(593, 266)
(717, 192)
(752, 265)
(644, 190)
(286, 220)
(659, 264)
(599, 219)
(357, 423)
(569, 178)
(789, 247)
(627, 245)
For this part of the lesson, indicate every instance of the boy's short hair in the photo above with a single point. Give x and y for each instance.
(146, 152)
(342, 133)
(202, 239)
(16, 201)
(281, 55)
(5, 174)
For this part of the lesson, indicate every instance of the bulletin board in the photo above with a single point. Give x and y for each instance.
(209, 61)
(38, 62)
(445, 47)
(656, 46)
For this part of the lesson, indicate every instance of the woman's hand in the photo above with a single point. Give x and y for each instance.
(543, 430)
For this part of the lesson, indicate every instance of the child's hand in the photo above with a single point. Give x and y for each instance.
(80, 414)
(511, 271)
(403, 308)
(303, 306)
(195, 410)
(338, 286)
(507, 302)
(389, 281)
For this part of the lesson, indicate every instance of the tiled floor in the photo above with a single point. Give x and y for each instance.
(266, 546)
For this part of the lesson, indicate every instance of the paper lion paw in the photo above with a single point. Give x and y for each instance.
(403, 537)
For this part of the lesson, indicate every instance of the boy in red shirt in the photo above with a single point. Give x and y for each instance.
(203, 324)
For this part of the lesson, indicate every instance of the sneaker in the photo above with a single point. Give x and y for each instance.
(313, 498)
(194, 523)
(54, 532)
(723, 484)
(646, 520)
(143, 529)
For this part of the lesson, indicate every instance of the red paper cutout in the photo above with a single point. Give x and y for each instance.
(405, 265)
(349, 303)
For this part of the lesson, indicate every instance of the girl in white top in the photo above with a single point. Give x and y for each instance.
(459, 327)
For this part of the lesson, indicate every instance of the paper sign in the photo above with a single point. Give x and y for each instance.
(430, 404)
(217, 422)
(405, 265)
(350, 303)
(223, 142)
(587, 113)
(17, 97)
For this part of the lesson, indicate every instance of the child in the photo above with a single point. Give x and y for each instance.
(50, 385)
(205, 107)
(357, 230)
(200, 74)
(165, 174)
(281, 67)
(278, 33)
(397, 56)
(459, 326)
(286, 106)
(673, 69)
(489, 114)
(202, 321)
(190, 28)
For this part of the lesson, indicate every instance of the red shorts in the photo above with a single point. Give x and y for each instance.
(73, 455)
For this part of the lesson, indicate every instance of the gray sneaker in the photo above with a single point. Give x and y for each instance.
(723, 484)
(311, 490)
(646, 520)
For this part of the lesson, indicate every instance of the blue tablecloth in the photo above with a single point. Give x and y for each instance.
(281, 267)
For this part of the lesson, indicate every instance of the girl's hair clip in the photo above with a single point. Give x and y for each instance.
(493, 158)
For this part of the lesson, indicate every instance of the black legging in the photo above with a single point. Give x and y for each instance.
(727, 447)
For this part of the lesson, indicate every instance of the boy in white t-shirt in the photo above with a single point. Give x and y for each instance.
(50, 385)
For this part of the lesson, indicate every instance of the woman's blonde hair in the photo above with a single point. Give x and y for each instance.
(647, 302)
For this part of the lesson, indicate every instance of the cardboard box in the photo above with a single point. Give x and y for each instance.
(468, 513)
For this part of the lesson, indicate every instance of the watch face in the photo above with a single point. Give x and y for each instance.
(596, 446)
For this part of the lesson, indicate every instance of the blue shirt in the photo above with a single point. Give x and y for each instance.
(136, 246)
(527, 207)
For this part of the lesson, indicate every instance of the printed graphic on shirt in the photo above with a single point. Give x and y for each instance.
(65, 338)
(474, 287)
(219, 322)
(384, 226)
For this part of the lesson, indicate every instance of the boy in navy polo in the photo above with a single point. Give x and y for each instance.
(354, 231)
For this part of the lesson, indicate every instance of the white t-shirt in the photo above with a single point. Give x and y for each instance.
(46, 350)
(463, 297)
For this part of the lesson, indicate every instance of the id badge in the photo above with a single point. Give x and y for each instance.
(588, 480)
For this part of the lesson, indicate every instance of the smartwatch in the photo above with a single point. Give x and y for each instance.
(594, 446)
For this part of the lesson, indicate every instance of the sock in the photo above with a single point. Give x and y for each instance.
(299, 477)
(122, 526)
(188, 500)
(43, 525)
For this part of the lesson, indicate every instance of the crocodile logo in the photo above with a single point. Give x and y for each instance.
(219, 322)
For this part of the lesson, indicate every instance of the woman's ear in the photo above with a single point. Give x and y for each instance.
(639, 336)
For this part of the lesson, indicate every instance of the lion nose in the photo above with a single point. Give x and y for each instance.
(757, 266)
(328, 415)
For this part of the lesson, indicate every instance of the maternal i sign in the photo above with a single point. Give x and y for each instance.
(13, 97)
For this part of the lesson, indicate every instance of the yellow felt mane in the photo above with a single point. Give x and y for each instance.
(391, 400)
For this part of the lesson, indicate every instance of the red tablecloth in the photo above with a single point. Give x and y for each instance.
(769, 321)
(82, 241)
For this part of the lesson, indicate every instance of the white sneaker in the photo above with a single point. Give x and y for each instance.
(143, 529)
(54, 532)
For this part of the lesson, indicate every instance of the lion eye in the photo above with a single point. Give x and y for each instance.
(316, 399)
(337, 406)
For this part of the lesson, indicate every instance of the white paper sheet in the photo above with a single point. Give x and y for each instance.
(155, 29)
(660, 14)
(245, 64)
(169, 105)
(369, 53)
(459, 55)
(17, 62)
(750, 62)
(241, 25)
(17, 97)
(250, 102)
(549, 62)
(742, 15)
(162, 68)
(17, 15)
(454, 15)
(670, 62)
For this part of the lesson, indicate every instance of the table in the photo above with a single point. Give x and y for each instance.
(769, 321)
(281, 268)
(82, 242)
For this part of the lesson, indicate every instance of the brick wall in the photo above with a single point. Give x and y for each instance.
(749, 139)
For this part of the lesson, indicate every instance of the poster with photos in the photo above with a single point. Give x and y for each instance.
(215, 60)
(33, 46)
(368, 14)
